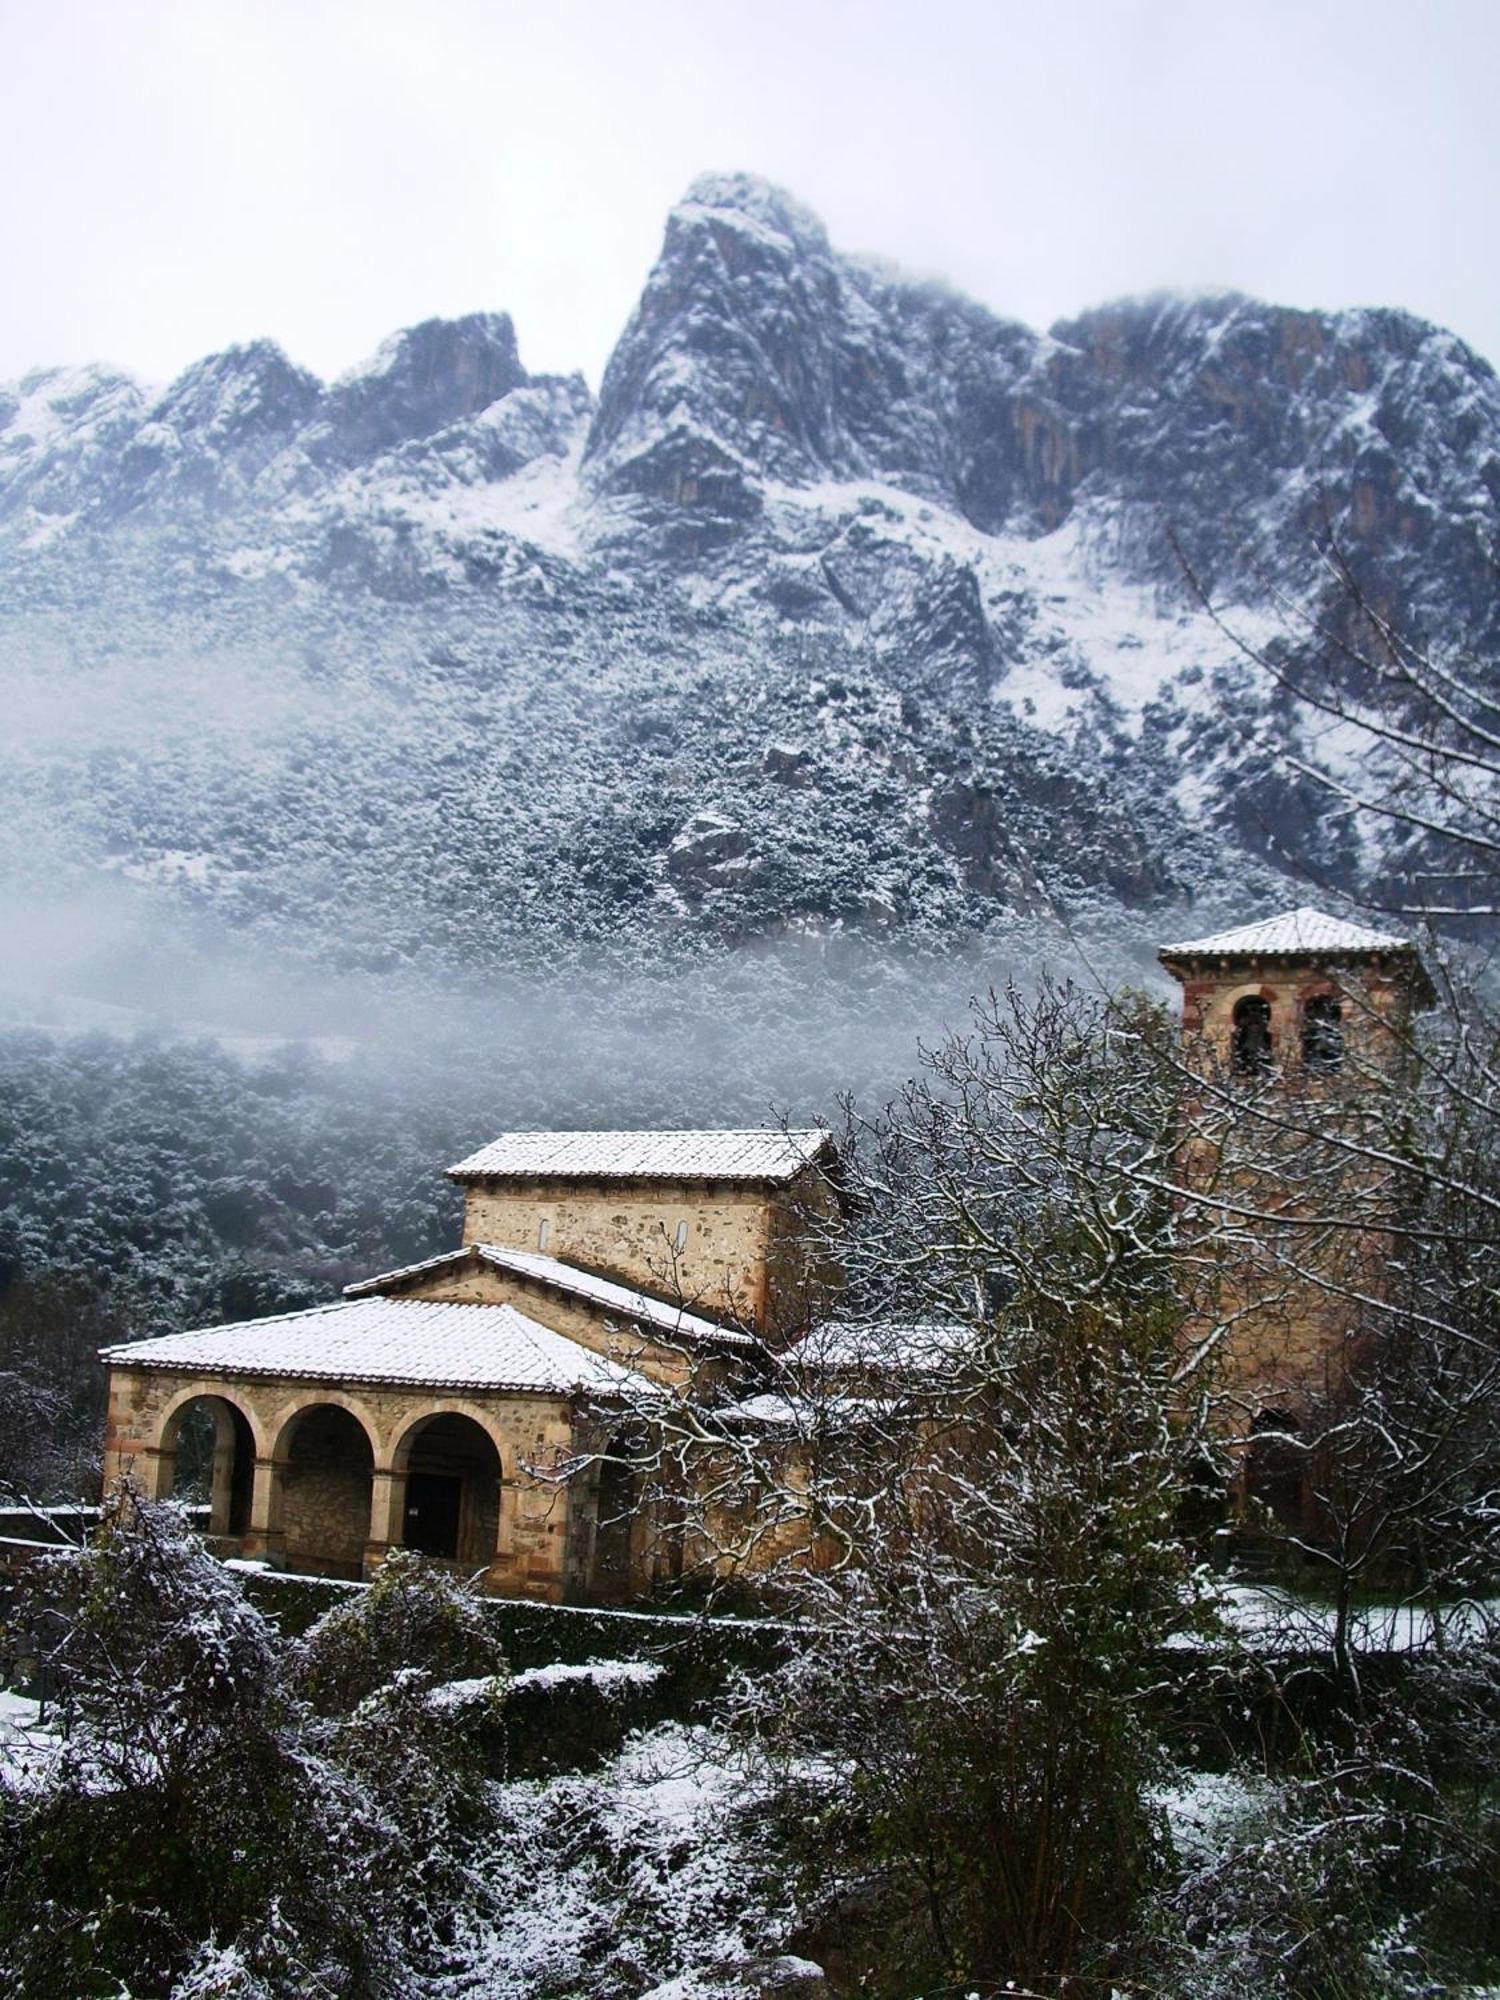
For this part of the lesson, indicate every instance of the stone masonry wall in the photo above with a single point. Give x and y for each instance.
(630, 1231)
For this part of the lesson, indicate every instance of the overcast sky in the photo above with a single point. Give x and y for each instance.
(180, 176)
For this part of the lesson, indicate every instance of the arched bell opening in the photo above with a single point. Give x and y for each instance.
(206, 1457)
(1322, 1034)
(452, 1474)
(324, 1468)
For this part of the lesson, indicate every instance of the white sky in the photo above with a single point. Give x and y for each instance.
(180, 174)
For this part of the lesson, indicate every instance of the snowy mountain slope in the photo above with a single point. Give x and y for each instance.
(848, 607)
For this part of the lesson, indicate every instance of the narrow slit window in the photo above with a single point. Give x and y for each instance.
(679, 1241)
(1250, 1045)
(1322, 1035)
(543, 1234)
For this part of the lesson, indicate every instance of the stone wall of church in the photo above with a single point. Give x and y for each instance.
(325, 1494)
(708, 1243)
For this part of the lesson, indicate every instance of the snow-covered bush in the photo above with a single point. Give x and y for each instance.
(415, 1619)
(609, 1883)
(186, 1805)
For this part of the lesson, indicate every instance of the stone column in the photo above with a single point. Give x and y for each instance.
(152, 1468)
(221, 1493)
(387, 1515)
(264, 1537)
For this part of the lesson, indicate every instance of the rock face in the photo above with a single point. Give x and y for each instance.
(420, 382)
(849, 606)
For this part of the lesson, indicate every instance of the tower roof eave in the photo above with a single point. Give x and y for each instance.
(1303, 937)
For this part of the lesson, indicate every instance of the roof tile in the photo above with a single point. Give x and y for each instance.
(1294, 934)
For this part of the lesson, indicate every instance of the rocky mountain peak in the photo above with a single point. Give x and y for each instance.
(245, 389)
(419, 382)
(852, 603)
(752, 201)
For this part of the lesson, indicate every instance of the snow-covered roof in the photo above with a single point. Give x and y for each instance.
(416, 1341)
(757, 1154)
(1295, 934)
(854, 1346)
(621, 1301)
(775, 1409)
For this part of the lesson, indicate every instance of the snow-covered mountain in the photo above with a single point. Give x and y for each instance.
(848, 607)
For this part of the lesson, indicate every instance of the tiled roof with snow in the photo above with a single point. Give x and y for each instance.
(1295, 934)
(757, 1154)
(621, 1301)
(775, 1409)
(414, 1341)
(900, 1346)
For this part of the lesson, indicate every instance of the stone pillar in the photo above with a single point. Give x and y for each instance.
(221, 1493)
(264, 1537)
(387, 1515)
(153, 1468)
(531, 1559)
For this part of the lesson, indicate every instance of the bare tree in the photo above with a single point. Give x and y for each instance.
(967, 1490)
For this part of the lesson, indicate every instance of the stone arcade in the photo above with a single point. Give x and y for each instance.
(479, 1406)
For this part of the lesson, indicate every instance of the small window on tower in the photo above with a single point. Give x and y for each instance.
(1322, 1034)
(543, 1234)
(1250, 1046)
(679, 1241)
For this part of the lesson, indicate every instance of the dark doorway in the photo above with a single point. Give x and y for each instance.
(452, 1473)
(1250, 1046)
(1275, 1467)
(433, 1503)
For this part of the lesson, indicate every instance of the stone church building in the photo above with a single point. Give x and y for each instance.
(441, 1407)
(481, 1406)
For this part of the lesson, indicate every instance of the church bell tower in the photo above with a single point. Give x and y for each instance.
(1295, 1033)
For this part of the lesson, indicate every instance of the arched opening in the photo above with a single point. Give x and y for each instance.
(1274, 1466)
(1322, 1034)
(207, 1457)
(324, 1465)
(452, 1505)
(1250, 1043)
(616, 1499)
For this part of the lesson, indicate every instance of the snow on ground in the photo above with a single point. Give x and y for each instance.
(624, 1878)
(28, 1746)
(1270, 1618)
(1206, 1810)
(538, 504)
(1089, 626)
